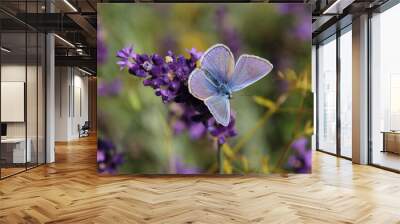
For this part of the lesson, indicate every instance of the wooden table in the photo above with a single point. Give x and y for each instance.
(14, 150)
(391, 141)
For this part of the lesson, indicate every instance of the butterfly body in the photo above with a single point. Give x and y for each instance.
(218, 78)
(220, 85)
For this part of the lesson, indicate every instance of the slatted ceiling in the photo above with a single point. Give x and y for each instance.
(81, 5)
(71, 191)
(88, 6)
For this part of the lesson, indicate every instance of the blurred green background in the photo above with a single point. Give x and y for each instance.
(270, 114)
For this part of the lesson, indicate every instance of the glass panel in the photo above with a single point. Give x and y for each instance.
(327, 96)
(23, 90)
(385, 84)
(31, 98)
(32, 87)
(13, 92)
(41, 98)
(345, 94)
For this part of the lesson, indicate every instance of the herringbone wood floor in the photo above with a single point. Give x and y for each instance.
(70, 191)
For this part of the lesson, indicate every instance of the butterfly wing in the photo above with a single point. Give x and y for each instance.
(248, 70)
(200, 86)
(219, 108)
(217, 65)
(218, 62)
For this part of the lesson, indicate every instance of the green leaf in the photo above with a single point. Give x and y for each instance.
(309, 129)
(265, 165)
(134, 101)
(228, 151)
(227, 167)
(269, 104)
(245, 163)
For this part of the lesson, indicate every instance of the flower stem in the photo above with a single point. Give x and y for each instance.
(294, 135)
(220, 159)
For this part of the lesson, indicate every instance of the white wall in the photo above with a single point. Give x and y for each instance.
(16, 73)
(71, 94)
(61, 103)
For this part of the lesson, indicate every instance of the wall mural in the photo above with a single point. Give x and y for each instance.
(204, 88)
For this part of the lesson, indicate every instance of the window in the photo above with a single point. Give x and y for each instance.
(346, 92)
(385, 89)
(327, 95)
(22, 78)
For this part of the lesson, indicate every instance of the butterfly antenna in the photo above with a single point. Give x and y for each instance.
(240, 95)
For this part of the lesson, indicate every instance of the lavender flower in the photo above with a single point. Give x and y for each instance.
(221, 132)
(194, 54)
(285, 8)
(112, 88)
(102, 51)
(168, 77)
(108, 159)
(127, 56)
(181, 168)
(183, 116)
(301, 15)
(303, 29)
(227, 31)
(300, 161)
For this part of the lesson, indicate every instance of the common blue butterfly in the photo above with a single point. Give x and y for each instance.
(218, 77)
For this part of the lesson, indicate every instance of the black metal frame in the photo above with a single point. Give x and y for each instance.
(338, 76)
(369, 90)
(44, 76)
(0, 92)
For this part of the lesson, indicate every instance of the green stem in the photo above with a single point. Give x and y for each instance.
(259, 124)
(294, 136)
(220, 158)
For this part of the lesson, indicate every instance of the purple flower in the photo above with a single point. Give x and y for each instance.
(127, 57)
(300, 161)
(197, 130)
(181, 168)
(288, 8)
(283, 85)
(184, 117)
(108, 159)
(112, 88)
(102, 51)
(194, 54)
(302, 19)
(221, 132)
(168, 77)
(303, 29)
(227, 31)
(179, 126)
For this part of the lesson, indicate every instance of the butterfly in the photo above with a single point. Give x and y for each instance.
(218, 77)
